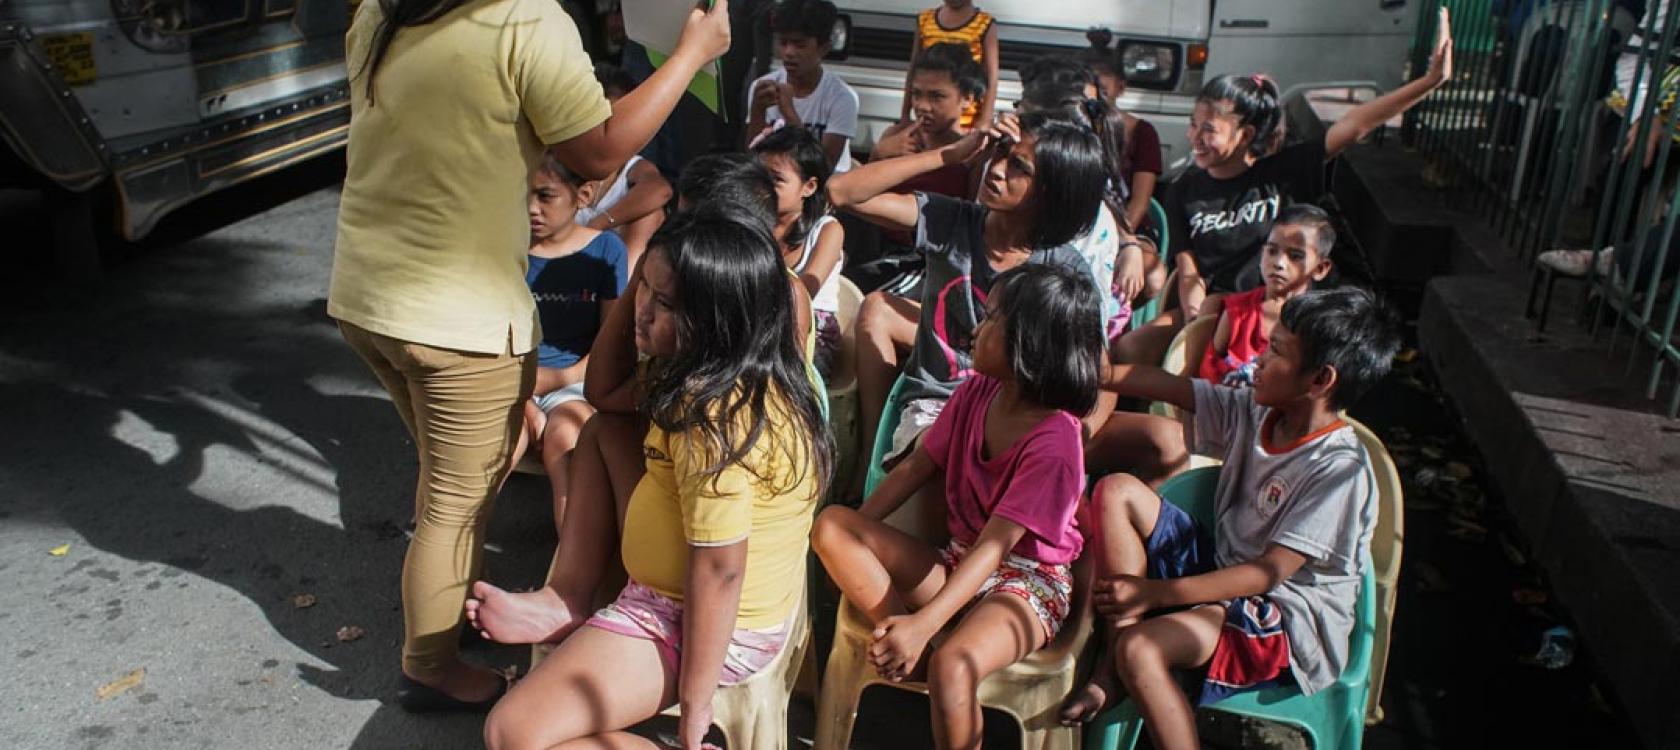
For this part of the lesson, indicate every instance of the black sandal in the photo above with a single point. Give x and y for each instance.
(418, 698)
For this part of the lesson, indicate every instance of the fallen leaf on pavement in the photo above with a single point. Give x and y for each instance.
(1406, 356)
(59, 551)
(122, 684)
(303, 601)
(1458, 470)
(349, 633)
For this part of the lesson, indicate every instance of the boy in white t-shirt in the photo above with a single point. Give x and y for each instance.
(1266, 597)
(801, 93)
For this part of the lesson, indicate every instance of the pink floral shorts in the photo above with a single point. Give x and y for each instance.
(1047, 588)
(641, 612)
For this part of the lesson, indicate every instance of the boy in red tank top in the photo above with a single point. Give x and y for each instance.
(1296, 255)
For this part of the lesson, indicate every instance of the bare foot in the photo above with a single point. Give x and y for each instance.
(539, 616)
(1092, 699)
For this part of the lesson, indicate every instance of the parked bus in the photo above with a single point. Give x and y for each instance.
(143, 105)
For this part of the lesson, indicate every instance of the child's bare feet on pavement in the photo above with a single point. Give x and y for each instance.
(539, 616)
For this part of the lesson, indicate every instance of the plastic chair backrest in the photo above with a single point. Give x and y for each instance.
(1387, 545)
(1157, 232)
(1158, 229)
(1192, 491)
(1184, 356)
(845, 369)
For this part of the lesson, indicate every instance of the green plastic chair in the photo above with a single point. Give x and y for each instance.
(890, 413)
(1333, 718)
(1158, 218)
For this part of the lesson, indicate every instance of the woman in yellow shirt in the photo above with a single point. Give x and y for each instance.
(452, 104)
(737, 450)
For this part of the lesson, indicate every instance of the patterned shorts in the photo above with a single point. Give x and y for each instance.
(1047, 588)
(641, 612)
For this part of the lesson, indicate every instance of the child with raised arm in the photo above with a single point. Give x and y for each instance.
(1009, 446)
(1295, 257)
(1040, 194)
(1220, 212)
(1267, 596)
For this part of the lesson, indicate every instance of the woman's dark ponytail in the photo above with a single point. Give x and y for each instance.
(1255, 100)
(395, 15)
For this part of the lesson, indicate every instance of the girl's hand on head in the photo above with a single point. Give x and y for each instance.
(1441, 58)
(1125, 597)
(1007, 128)
(706, 33)
(899, 643)
(973, 144)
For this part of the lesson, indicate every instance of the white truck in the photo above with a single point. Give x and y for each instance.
(1168, 49)
(136, 107)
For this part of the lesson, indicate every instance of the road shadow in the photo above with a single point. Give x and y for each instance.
(199, 410)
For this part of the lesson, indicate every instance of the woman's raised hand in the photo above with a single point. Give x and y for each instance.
(1441, 58)
(706, 34)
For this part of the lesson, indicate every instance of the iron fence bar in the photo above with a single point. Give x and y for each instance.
(1634, 171)
(1548, 138)
(1624, 172)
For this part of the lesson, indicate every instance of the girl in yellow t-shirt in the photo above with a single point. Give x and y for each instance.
(959, 22)
(737, 449)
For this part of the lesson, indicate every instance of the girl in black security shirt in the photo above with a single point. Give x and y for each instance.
(1221, 211)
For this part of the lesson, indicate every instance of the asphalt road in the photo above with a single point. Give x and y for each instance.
(196, 432)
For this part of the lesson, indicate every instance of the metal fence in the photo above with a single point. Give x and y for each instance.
(1544, 127)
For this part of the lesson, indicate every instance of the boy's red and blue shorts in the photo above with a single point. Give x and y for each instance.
(1253, 650)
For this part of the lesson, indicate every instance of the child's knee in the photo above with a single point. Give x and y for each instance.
(1123, 497)
(1136, 654)
(953, 671)
(832, 527)
(502, 730)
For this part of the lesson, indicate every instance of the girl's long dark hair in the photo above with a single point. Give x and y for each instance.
(737, 360)
(802, 147)
(1068, 185)
(1056, 84)
(395, 15)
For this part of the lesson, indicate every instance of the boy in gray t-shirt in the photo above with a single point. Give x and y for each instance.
(1267, 596)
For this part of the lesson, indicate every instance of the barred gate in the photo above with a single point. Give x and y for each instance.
(1530, 131)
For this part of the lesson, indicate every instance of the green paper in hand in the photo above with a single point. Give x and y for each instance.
(657, 25)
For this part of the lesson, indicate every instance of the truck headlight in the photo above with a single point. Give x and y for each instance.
(1151, 65)
(840, 39)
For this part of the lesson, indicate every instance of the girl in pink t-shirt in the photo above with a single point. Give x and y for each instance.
(1008, 443)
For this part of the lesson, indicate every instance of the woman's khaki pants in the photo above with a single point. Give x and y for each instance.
(464, 411)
